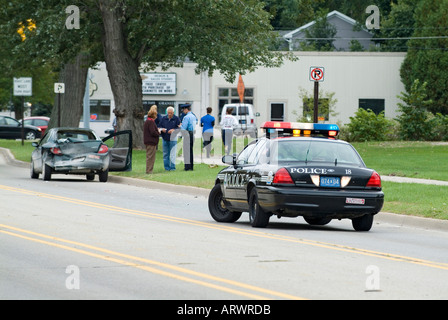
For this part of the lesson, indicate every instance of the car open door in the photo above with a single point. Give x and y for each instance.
(120, 150)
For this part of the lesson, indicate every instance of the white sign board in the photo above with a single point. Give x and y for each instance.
(59, 88)
(158, 83)
(317, 74)
(23, 86)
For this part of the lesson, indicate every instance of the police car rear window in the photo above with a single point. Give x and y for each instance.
(328, 152)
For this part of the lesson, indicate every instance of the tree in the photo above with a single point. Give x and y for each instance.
(414, 124)
(427, 58)
(227, 36)
(321, 34)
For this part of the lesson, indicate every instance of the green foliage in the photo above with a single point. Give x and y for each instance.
(368, 126)
(413, 120)
(427, 58)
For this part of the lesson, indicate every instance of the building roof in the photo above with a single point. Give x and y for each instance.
(345, 32)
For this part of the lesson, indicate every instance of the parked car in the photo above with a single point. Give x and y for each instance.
(297, 170)
(244, 113)
(38, 121)
(80, 151)
(11, 128)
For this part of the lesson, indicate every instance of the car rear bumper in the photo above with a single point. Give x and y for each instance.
(314, 202)
(82, 164)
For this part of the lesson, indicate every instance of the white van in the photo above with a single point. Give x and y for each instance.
(244, 113)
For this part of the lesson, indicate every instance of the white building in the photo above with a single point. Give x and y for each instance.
(358, 79)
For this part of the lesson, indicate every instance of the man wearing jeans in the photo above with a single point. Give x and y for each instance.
(169, 126)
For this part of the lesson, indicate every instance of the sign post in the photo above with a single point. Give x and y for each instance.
(23, 87)
(316, 75)
(59, 88)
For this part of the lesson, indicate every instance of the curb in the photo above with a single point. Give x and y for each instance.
(399, 220)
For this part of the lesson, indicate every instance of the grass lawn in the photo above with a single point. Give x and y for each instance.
(408, 159)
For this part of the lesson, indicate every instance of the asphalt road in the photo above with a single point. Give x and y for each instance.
(69, 238)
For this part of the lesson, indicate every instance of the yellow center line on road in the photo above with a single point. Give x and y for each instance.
(148, 265)
(251, 232)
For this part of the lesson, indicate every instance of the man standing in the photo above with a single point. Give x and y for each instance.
(207, 123)
(169, 126)
(187, 127)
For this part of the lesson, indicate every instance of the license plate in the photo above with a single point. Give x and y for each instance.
(243, 121)
(333, 182)
(355, 201)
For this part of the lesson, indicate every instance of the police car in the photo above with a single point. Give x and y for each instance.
(297, 169)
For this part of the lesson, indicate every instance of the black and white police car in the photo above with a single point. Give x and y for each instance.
(297, 169)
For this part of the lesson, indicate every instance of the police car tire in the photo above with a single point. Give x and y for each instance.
(257, 216)
(363, 223)
(217, 211)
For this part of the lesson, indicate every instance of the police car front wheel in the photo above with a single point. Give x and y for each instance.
(217, 208)
(257, 216)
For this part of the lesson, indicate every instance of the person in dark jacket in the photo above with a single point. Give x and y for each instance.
(151, 139)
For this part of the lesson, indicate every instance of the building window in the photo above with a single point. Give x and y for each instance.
(277, 111)
(161, 106)
(376, 105)
(99, 110)
(230, 95)
(322, 106)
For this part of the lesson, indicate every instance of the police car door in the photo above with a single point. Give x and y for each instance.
(232, 175)
(249, 170)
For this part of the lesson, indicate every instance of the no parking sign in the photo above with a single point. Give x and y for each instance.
(317, 74)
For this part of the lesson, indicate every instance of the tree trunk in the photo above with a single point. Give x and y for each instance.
(124, 74)
(74, 76)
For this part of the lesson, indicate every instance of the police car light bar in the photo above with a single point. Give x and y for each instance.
(299, 128)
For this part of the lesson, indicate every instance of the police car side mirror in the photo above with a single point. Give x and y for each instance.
(229, 159)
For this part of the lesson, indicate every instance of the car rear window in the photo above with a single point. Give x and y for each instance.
(317, 151)
(76, 135)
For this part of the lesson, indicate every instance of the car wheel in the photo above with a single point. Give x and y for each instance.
(33, 173)
(90, 176)
(257, 216)
(217, 208)
(30, 135)
(317, 221)
(103, 175)
(46, 172)
(363, 223)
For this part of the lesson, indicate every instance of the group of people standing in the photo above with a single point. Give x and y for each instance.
(168, 127)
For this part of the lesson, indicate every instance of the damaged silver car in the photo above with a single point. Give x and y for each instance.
(80, 151)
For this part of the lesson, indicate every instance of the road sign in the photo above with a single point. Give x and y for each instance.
(23, 87)
(317, 74)
(59, 88)
(241, 88)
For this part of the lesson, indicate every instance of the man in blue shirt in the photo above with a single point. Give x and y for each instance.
(207, 123)
(187, 129)
(169, 128)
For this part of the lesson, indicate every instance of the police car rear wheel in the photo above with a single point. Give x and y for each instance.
(257, 216)
(217, 208)
(363, 223)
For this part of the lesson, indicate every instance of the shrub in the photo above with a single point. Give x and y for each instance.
(367, 126)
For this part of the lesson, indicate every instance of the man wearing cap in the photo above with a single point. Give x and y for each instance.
(187, 129)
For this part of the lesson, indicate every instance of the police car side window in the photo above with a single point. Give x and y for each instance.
(244, 155)
(259, 151)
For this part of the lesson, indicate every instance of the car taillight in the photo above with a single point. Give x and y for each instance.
(55, 150)
(374, 181)
(103, 149)
(282, 176)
